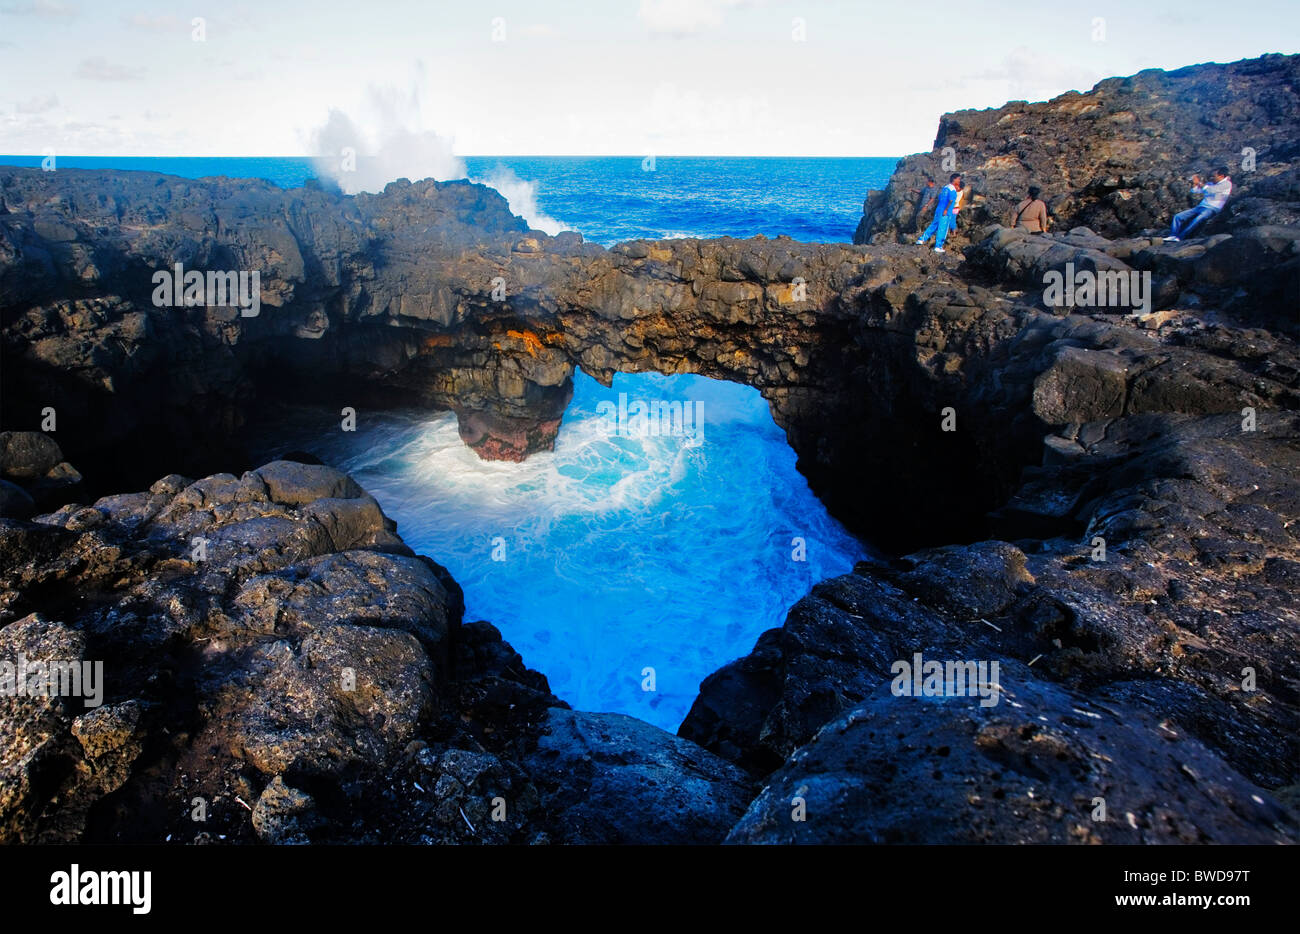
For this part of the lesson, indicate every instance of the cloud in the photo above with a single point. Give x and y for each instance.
(539, 31)
(164, 23)
(680, 18)
(673, 112)
(99, 69)
(27, 133)
(48, 9)
(37, 105)
(1032, 76)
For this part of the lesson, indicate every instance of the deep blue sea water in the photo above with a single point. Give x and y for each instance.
(619, 552)
(614, 555)
(609, 199)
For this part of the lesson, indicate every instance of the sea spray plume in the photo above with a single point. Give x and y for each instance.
(384, 142)
(522, 197)
(387, 140)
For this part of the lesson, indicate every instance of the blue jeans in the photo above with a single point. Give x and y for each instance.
(1187, 221)
(938, 229)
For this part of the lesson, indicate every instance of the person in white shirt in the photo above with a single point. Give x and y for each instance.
(1213, 197)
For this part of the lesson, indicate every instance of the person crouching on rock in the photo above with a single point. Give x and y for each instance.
(1213, 197)
(1031, 214)
(944, 213)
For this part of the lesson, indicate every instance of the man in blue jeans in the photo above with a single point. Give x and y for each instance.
(944, 213)
(1213, 197)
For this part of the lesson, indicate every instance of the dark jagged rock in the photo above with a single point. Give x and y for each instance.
(1116, 159)
(15, 502)
(1037, 768)
(1186, 603)
(397, 299)
(610, 778)
(279, 667)
(1253, 275)
(228, 612)
(1103, 499)
(33, 473)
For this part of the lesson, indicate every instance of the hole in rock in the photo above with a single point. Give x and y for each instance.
(631, 546)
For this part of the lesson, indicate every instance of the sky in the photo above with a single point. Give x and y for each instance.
(559, 77)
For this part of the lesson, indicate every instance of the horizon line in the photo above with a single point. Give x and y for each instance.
(482, 155)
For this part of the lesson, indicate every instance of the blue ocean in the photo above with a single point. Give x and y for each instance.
(627, 567)
(609, 199)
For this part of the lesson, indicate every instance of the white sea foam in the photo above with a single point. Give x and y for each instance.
(620, 553)
(522, 196)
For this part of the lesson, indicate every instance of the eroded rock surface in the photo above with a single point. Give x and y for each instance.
(278, 666)
(1116, 159)
(1101, 499)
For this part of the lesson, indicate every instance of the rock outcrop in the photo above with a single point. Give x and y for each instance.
(1158, 580)
(276, 665)
(1099, 497)
(1053, 768)
(858, 350)
(1116, 159)
(33, 473)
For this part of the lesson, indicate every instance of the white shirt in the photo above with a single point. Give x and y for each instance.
(1215, 193)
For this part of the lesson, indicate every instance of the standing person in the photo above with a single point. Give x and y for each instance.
(1031, 213)
(1213, 197)
(943, 213)
(926, 198)
(956, 207)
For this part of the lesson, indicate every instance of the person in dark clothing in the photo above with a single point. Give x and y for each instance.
(926, 198)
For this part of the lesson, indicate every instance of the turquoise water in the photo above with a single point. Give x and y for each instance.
(610, 199)
(616, 553)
